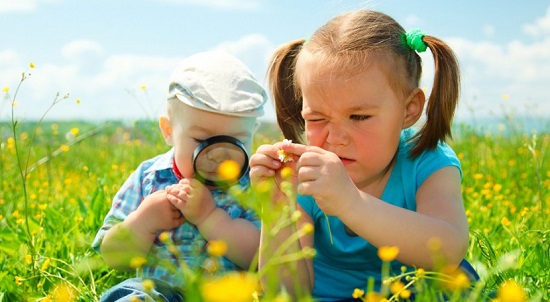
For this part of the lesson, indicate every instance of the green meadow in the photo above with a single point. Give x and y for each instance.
(57, 180)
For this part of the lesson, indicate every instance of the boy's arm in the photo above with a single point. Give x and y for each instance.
(241, 236)
(135, 236)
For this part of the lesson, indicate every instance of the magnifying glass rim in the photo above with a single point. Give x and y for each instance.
(215, 140)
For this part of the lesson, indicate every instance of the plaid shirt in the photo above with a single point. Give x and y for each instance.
(153, 175)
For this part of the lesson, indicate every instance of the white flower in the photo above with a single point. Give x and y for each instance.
(283, 156)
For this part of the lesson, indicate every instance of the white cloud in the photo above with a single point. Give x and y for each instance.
(222, 4)
(79, 48)
(489, 30)
(8, 6)
(540, 26)
(413, 20)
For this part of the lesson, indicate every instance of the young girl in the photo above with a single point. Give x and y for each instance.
(353, 88)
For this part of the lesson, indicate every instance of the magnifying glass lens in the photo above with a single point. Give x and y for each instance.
(220, 161)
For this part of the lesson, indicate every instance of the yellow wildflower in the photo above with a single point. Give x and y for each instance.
(286, 172)
(74, 131)
(19, 280)
(510, 291)
(64, 148)
(229, 170)
(164, 237)
(63, 292)
(143, 87)
(137, 262)
(457, 280)
(358, 293)
(234, 287)
(31, 65)
(148, 284)
(45, 264)
(505, 221)
(307, 228)
(388, 253)
(78, 101)
(217, 248)
(420, 272)
(5, 89)
(28, 259)
(15, 214)
(478, 176)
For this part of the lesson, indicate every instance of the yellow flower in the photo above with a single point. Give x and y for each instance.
(510, 291)
(478, 176)
(45, 264)
(19, 280)
(397, 287)
(28, 259)
(63, 292)
(137, 262)
(420, 272)
(164, 237)
(64, 148)
(232, 287)
(16, 214)
(286, 172)
(307, 228)
(497, 187)
(74, 131)
(358, 293)
(217, 248)
(143, 87)
(31, 65)
(388, 253)
(505, 221)
(456, 281)
(148, 284)
(78, 101)
(5, 89)
(229, 170)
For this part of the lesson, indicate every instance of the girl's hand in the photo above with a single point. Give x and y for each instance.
(322, 175)
(193, 199)
(155, 213)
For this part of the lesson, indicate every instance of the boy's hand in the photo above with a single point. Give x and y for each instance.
(155, 214)
(193, 199)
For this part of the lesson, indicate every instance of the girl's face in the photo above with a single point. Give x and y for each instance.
(187, 127)
(359, 119)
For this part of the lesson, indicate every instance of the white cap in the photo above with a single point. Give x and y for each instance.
(217, 82)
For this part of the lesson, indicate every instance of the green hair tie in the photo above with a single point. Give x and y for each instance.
(414, 40)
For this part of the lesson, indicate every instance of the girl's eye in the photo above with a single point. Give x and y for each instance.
(359, 117)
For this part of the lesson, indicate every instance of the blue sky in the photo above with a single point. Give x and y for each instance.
(102, 51)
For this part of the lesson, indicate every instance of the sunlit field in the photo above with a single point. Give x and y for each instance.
(57, 181)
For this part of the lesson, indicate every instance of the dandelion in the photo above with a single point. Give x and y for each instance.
(217, 248)
(388, 253)
(63, 293)
(229, 170)
(505, 221)
(497, 187)
(64, 148)
(358, 293)
(31, 65)
(478, 176)
(5, 89)
(510, 291)
(28, 259)
(78, 101)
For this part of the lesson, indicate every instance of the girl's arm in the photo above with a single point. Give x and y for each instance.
(440, 218)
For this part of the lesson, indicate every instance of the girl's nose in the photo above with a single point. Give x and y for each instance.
(337, 135)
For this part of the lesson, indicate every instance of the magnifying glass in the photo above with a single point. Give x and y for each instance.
(215, 151)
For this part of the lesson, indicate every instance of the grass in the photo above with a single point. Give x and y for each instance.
(45, 247)
(57, 180)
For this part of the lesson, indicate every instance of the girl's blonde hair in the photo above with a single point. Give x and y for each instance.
(346, 45)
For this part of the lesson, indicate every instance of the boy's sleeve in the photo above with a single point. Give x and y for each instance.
(126, 200)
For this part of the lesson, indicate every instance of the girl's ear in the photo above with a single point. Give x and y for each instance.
(414, 107)
(166, 129)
